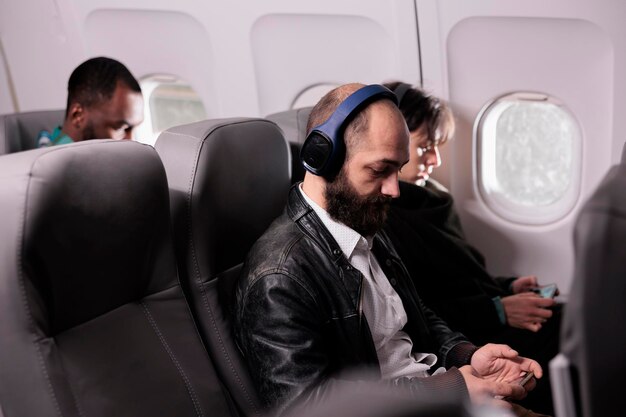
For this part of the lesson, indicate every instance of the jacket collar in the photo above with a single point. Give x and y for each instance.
(303, 214)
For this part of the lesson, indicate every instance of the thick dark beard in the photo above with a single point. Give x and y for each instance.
(365, 215)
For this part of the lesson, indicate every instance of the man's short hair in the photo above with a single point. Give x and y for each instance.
(419, 108)
(94, 81)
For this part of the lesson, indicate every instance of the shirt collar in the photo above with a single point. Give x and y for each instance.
(347, 238)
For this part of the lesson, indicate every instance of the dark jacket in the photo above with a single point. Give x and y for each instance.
(298, 320)
(451, 278)
(448, 272)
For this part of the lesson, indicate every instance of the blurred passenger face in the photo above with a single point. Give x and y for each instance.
(424, 157)
(116, 118)
(360, 194)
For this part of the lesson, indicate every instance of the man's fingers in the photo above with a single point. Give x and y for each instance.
(529, 294)
(542, 313)
(501, 351)
(544, 302)
(533, 366)
(530, 385)
(533, 326)
(512, 391)
(532, 280)
(495, 402)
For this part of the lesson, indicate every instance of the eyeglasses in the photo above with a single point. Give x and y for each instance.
(421, 150)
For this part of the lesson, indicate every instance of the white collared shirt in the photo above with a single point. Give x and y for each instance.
(382, 305)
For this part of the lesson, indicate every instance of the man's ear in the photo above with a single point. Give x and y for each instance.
(76, 116)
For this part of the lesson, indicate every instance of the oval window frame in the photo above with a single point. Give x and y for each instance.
(486, 187)
(146, 132)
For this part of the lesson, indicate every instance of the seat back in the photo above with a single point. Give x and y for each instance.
(228, 180)
(565, 387)
(592, 338)
(20, 131)
(94, 322)
(293, 124)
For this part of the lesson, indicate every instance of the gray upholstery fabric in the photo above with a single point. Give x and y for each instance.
(293, 124)
(93, 319)
(19, 131)
(594, 336)
(228, 180)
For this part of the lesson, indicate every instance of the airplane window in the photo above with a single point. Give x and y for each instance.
(528, 157)
(169, 101)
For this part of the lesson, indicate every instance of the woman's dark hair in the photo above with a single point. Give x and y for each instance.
(421, 109)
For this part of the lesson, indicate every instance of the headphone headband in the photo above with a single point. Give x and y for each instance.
(323, 150)
(401, 90)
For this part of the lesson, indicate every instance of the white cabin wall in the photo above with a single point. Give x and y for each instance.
(243, 57)
(41, 48)
(7, 97)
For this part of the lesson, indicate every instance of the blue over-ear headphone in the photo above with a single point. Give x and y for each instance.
(324, 149)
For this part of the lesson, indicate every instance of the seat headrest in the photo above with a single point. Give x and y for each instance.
(228, 179)
(92, 227)
(293, 124)
(19, 131)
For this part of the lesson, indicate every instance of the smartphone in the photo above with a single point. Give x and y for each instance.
(546, 291)
(522, 381)
(526, 378)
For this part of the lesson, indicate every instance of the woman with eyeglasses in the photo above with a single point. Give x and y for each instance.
(449, 274)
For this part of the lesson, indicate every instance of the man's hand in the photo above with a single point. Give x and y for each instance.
(523, 284)
(482, 390)
(501, 364)
(520, 411)
(527, 310)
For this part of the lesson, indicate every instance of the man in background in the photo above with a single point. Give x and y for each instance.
(104, 101)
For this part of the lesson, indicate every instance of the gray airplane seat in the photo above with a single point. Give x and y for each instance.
(20, 131)
(293, 124)
(93, 319)
(228, 180)
(590, 369)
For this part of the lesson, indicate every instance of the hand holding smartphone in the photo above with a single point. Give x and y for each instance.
(522, 381)
(545, 291)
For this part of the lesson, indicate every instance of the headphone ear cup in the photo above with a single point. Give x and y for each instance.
(315, 152)
(319, 154)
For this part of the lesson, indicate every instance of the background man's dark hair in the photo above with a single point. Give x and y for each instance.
(94, 81)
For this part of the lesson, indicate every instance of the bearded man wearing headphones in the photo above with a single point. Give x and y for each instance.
(323, 291)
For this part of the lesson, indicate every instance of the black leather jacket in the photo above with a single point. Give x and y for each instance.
(298, 318)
